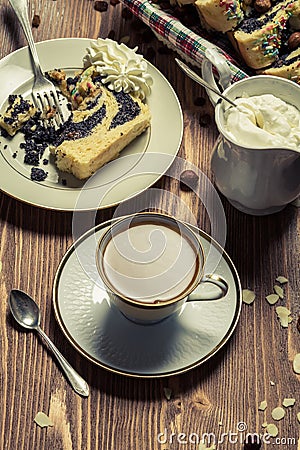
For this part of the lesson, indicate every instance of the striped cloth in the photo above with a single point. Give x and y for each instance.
(180, 38)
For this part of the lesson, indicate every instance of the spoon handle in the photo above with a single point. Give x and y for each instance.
(194, 76)
(79, 384)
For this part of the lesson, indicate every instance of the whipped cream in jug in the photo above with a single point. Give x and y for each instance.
(263, 121)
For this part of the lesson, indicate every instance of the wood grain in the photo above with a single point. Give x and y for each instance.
(124, 413)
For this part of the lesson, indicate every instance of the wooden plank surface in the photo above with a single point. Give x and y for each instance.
(124, 413)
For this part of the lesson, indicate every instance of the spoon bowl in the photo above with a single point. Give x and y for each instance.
(24, 310)
(27, 313)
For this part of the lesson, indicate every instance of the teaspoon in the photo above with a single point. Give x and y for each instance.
(26, 312)
(257, 117)
(194, 76)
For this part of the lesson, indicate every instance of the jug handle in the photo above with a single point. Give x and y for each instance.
(214, 58)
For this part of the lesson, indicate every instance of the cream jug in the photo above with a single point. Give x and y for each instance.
(257, 181)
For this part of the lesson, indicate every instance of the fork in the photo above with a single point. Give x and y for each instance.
(43, 91)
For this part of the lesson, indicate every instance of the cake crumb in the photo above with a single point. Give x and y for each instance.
(38, 174)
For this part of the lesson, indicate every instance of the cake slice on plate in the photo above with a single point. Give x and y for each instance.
(108, 108)
(103, 124)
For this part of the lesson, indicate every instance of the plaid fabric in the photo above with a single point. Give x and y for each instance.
(179, 37)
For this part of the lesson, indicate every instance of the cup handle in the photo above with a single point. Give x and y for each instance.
(214, 58)
(215, 279)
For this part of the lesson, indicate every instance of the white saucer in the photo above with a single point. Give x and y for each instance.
(105, 337)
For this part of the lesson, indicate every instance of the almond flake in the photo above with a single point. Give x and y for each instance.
(278, 413)
(248, 296)
(263, 405)
(296, 363)
(264, 425)
(283, 315)
(283, 309)
(168, 393)
(202, 446)
(272, 430)
(42, 420)
(288, 402)
(284, 321)
(279, 291)
(272, 383)
(298, 417)
(272, 298)
(282, 280)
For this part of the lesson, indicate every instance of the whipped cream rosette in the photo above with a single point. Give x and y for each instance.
(121, 67)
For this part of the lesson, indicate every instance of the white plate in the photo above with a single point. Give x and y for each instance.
(140, 165)
(105, 337)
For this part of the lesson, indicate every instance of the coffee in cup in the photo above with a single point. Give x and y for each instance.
(150, 263)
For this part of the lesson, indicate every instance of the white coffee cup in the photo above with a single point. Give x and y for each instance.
(150, 263)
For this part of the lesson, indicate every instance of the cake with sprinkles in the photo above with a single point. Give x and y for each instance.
(286, 66)
(103, 123)
(266, 33)
(220, 15)
(108, 110)
(260, 39)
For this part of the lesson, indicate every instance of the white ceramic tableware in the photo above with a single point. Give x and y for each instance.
(139, 166)
(104, 336)
(150, 263)
(257, 181)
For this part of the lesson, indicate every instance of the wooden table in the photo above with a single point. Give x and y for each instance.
(126, 413)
